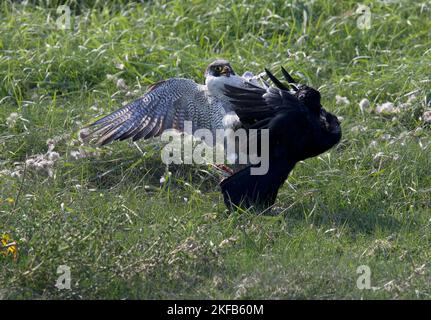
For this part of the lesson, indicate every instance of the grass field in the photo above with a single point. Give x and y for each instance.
(123, 234)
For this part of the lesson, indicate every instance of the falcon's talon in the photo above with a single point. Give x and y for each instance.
(224, 170)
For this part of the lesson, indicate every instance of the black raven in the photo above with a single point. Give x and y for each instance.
(299, 128)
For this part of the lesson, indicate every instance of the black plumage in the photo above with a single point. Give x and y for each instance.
(299, 128)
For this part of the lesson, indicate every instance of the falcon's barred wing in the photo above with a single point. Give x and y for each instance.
(165, 106)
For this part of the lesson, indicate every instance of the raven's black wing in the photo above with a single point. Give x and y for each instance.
(255, 106)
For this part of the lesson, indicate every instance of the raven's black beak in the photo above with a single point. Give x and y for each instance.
(289, 79)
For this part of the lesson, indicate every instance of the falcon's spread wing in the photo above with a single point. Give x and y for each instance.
(165, 106)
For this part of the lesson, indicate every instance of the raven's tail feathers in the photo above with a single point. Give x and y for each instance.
(243, 189)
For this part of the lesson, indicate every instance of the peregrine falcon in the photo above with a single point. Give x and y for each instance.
(169, 103)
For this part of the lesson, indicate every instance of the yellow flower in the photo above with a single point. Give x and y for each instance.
(5, 239)
(8, 247)
(10, 200)
(12, 250)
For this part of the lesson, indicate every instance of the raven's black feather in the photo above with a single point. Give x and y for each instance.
(275, 80)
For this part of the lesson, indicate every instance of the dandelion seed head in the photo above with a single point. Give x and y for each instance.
(75, 154)
(364, 104)
(385, 137)
(11, 119)
(53, 156)
(426, 116)
(121, 84)
(387, 108)
(339, 100)
(358, 128)
(119, 66)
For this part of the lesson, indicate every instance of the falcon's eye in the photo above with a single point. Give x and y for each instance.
(218, 68)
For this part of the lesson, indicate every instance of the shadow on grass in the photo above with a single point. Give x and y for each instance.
(357, 220)
(138, 170)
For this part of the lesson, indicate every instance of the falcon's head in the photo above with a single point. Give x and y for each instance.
(219, 73)
(219, 68)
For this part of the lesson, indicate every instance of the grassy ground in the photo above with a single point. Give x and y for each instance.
(104, 213)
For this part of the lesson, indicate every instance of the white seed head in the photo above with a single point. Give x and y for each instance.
(339, 100)
(364, 104)
(387, 108)
(426, 117)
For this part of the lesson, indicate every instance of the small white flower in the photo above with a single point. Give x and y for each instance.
(165, 177)
(16, 174)
(50, 172)
(121, 84)
(405, 105)
(385, 137)
(51, 144)
(53, 156)
(11, 120)
(364, 104)
(412, 98)
(426, 117)
(44, 162)
(358, 128)
(339, 100)
(5, 172)
(387, 107)
(119, 66)
(75, 154)
(81, 153)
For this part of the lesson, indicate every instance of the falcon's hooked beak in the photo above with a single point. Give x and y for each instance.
(226, 71)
